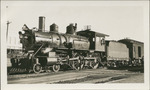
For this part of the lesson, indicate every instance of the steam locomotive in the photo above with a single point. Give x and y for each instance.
(44, 51)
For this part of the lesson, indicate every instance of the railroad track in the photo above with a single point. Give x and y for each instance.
(33, 75)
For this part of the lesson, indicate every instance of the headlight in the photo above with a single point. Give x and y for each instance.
(23, 32)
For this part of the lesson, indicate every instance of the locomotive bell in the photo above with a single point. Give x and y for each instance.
(54, 28)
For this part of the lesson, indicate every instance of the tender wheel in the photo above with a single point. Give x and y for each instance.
(76, 65)
(37, 68)
(56, 68)
(94, 64)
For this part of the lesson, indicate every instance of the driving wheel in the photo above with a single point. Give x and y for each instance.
(76, 65)
(56, 68)
(94, 64)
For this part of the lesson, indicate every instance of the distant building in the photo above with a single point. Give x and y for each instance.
(13, 42)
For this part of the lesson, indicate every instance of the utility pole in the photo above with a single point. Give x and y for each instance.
(8, 22)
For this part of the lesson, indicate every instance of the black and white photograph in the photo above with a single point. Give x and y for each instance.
(75, 45)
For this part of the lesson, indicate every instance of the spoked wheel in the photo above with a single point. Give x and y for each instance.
(56, 68)
(37, 68)
(81, 64)
(94, 64)
(114, 64)
(76, 65)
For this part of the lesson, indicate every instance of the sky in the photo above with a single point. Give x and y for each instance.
(117, 19)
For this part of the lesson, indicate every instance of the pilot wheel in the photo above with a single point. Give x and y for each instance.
(37, 68)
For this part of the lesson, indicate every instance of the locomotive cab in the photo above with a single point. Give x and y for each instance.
(97, 40)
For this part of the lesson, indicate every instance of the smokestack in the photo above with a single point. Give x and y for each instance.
(42, 23)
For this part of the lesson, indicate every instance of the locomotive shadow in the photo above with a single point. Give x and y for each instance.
(133, 69)
(137, 69)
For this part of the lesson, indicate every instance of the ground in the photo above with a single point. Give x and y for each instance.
(94, 76)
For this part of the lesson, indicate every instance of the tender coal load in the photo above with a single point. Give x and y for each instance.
(71, 29)
(54, 28)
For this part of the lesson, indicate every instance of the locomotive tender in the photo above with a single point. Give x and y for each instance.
(117, 54)
(44, 51)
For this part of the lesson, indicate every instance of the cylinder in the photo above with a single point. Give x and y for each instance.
(42, 23)
(51, 61)
(54, 28)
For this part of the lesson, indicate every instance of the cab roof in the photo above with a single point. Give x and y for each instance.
(89, 33)
(130, 41)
